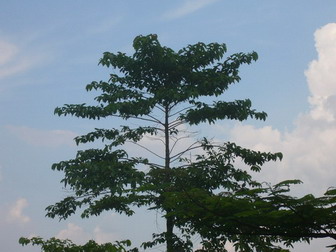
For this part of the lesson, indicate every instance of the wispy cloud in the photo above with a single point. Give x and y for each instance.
(78, 235)
(13, 60)
(8, 52)
(16, 211)
(48, 138)
(188, 7)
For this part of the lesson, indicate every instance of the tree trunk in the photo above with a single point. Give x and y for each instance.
(169, 234)
(169, 219)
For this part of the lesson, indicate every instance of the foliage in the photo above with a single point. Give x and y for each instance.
(197, 185)
(57, 245)
(257, 218)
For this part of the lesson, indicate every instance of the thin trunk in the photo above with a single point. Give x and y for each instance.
(166, 132)
(169, 234)
(169, 219)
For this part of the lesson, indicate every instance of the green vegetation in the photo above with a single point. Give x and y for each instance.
(199, 189)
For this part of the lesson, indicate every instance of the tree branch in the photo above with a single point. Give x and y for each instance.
(181, 111)
(178, 155)
(145, 148)
(176, 141)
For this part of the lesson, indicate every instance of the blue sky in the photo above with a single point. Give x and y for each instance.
(49, 51)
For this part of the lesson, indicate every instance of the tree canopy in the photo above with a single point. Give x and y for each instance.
(197, 184)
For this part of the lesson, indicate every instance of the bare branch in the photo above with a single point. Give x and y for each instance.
(156, 139)
(160, 108)
(145, 148)
(191, 147)
(155, 119)
(176, 141)
(181, 111)
(175, 123)
(138, 118)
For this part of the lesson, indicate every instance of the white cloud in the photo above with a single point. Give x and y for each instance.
(79, 236)
(16, 211)
(321, 74)
(308, 154)
(267, 137)
(102, 237)
(309, 148)
(188, 7)
(49, 138)
(12, 59)
(74, 233)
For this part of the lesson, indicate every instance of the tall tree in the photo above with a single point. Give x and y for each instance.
(167, 92)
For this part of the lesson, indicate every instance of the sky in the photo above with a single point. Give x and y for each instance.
(49, 51)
